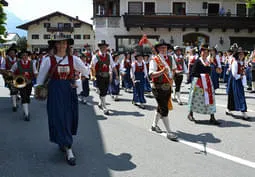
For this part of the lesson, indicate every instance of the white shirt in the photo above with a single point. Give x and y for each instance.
(3, 61)
(185, 69)
(15, 66)
(133, 67)
(153, 67)
(234, 69)
(46, 64)
(95, 60)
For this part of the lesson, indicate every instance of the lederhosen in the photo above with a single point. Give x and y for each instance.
(178, 77)
(161, 87)
(8, 66)
(26, 70)
(102, 74)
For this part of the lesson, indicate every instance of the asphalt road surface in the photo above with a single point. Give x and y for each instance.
(122, 145)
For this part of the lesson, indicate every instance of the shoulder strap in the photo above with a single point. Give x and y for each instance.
(55, 67)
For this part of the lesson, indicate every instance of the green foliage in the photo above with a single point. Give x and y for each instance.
(250, 3)
(2, 21)
(22, 43)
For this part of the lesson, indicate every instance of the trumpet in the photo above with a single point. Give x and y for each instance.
(7, 75)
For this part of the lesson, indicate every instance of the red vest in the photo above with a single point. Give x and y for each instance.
(9, 63)
(62, 75)
(103, 63)
(161, 79)
(25, 70)
(179, 63)
(240, 68)
(127, 64)
(139, 68)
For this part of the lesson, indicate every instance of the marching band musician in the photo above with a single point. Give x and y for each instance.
(102, 64)
(202, 96)
(161, 71)
(25, 68)
(138, 75)
(180, 70)
(7, 65)
(62, 102)
(235, 89)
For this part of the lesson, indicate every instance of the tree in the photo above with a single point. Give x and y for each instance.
(2, 22)
(250, 3)
(22, 43)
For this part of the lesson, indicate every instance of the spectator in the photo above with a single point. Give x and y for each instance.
(222, 11)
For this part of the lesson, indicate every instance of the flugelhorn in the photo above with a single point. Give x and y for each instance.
(19, 81)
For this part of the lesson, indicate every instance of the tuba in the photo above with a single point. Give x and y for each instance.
(19, 81)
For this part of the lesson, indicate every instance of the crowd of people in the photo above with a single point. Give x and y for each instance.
(69, 72)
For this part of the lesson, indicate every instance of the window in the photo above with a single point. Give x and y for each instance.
(46, 25)
(241, 10)
(135, 7)
(149, 8)
(68, 36)
(46, 36)
(67, 25)
(179, 8)
(251, 11)
(35, 36)
(77, 36)
(77, 25)
(60, 25)
(86, 36)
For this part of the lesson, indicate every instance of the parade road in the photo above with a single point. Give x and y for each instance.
(122, 145)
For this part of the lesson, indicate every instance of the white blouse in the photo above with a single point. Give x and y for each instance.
(15, 67)
(234, 69)
(46, 64)
(132, 72)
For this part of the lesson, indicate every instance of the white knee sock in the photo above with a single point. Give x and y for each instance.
(166, 123)
(14, 100)
(156, 119)
(69, 153)
(25, 108)
(253, 86)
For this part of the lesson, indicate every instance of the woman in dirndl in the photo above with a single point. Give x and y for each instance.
(62, 102)
(215, 67)
(125, 68)
(138, 75)
(202, 96)
(235, 89)
(115, 83)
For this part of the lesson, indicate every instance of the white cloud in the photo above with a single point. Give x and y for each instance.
(32, 9)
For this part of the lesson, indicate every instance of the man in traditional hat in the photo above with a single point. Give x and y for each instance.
(161, 71)
(10, 59)
(180, 70)
(26, 69)
(102, 64)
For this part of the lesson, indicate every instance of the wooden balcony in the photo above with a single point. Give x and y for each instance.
(4, 3)
(162, 20)
(60, 29)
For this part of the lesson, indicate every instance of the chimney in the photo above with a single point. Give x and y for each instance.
(77, 17)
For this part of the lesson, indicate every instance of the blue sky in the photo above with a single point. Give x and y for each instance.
(32, 9)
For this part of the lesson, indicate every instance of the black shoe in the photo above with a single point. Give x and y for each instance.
(228, 113)
(252, 91)
(71, 161)
(156, 129)
(180, 103)
(14, 109)
(249, 88)
(26, 118)
(171, 136)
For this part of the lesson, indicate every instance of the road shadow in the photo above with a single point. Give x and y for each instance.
(26, 150)
(199, 138)
(125, 113)
(120, 162)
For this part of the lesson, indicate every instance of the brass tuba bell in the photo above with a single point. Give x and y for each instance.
(19, 81)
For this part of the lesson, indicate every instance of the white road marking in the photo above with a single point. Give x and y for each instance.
(223, 155)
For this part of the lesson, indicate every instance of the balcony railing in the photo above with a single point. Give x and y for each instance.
(60, 29)
(192, 20)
